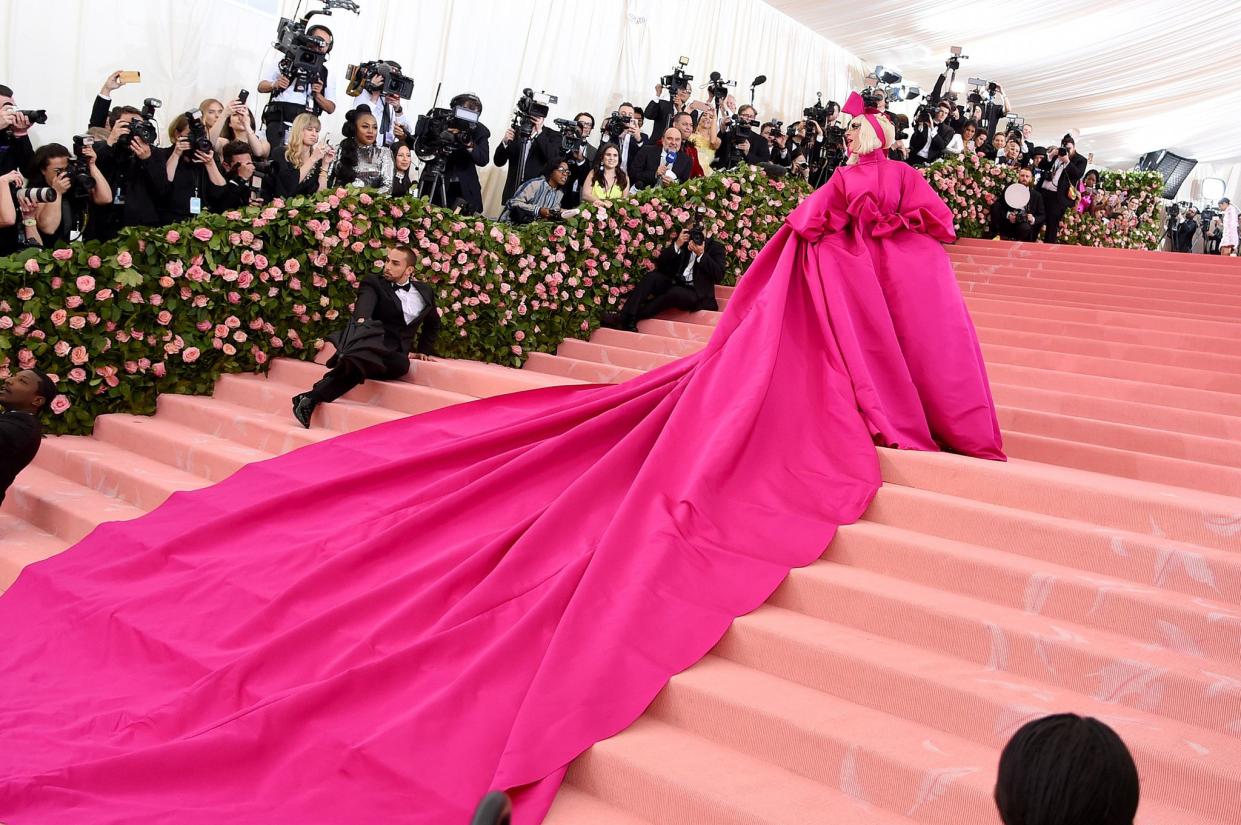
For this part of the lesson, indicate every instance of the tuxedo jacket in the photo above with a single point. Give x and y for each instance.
(20, 435)
(377, 301)
(708, 271)
(1000, 209)
(544, 146)
(644, 169)
(940, 138)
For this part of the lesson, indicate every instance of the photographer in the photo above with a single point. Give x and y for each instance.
(581, 159)
(660, 112)
(51, 165)
(361, 161)
(239, 180)
(661, 164)
(527, 155)
(739, 141)
(19, 228)
(684, 278)
(16, 149)
(623, 130)
(1011, 154)
(1188, 233)
(289, 98)
(191, 171)
(1019, 224)
(135, 170)
(1062, 170)
(461, 167)
(303, 167)
(539, 199)
(394, 125)
(931, 134)
(992, 108)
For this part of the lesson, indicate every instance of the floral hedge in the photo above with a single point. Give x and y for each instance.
(170, 309)
(970, 185)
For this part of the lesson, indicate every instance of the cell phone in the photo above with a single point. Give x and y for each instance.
(129, 77)
(243, 95)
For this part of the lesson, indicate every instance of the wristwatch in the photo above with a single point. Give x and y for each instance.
(29, 222)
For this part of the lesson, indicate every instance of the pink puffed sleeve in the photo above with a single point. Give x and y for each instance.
(923, 210)
(825, 210)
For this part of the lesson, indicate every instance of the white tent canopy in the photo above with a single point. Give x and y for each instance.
(1124, 78)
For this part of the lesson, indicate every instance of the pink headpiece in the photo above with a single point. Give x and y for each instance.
(854, 105)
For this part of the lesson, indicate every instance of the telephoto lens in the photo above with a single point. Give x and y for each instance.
(38, 194)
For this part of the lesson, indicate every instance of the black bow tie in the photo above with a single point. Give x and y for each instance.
(406, 288)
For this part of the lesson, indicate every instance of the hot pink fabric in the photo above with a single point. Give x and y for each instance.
(383, 626)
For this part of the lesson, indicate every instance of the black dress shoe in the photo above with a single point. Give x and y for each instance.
(303, 408)
(614, 320)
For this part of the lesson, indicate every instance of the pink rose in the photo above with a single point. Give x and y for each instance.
(260, 261)
(60, 404)
(25, 293)
(164, 317)
(78, 355)
(232, 322)
(124, 259)
(94, 262)
(103, 295)
(31, 265)
(291, 266)
(77, 375)
(77, 322)
(62, 254)
(190, 355)
(61, 349)
(59, 316)
(229, 349)
(166, 281)
(175, 268)
(203, 234)
(159, 369)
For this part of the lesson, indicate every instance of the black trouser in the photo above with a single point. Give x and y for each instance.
(655, 293)
(1021, 230)
(1054, 206)
(343, 377)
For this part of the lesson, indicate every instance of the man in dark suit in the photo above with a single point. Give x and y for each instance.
(661, 163)
(744, 142)
(684, 277)
(525, 158)
(659, 113)
(580, 161)
(1063, 169)
(461, 168)
(23, 395)
(1012, 226)
(405, 308)
(929, 140)
(630, 141)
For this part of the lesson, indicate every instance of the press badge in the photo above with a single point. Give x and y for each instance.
(196, 206)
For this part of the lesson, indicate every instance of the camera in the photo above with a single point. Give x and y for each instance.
(38, 194)
(199, 140)
(697, 234)
(441, 132)
(143, 126)
(616, 125)
(529, 108)
(954, 62)
(821, 113)
(871, 96)
(718, 87)
(571, 140)
(678, 79)
(35, 116)
(78, 171)
(378, 76)
(305, 54)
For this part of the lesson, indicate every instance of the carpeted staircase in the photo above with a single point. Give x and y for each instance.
(1098, 571)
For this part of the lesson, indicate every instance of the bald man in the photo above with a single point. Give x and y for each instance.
(663, 163)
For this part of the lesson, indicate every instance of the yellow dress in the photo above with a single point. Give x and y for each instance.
(706, 155)
(610, 194)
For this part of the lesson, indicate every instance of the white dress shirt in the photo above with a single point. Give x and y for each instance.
(411, 301)
(687, 274)
(291, 95)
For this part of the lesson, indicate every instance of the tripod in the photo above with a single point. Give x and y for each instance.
(432, 185)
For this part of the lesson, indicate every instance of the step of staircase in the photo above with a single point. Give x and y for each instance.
(1098, 571)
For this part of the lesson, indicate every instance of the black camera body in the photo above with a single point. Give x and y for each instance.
(143, 127)
(199, 140)
(391, 80)
(697, 234)
(529, 108)
(871, 96)
(304, 54)
(678, 79)
(441, 132)
(718, 87)
(821, 113)
(616, 125)
(571, 140)
(35, 116)
(78, 171)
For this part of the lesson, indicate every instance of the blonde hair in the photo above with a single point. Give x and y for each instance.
(867, 140)
(293, 151)
(202, 107)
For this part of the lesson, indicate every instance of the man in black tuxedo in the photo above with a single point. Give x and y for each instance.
(537, 150)
(630, 141)
(405, 308)
(744, 142)
(661, 163)
(931, 138)
(1063, 169)
(23, 395)
(684, 277)
(1012, 226)
(660, 112)
(461, 169)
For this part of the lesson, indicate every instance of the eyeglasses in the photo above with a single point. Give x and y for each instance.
(564, 170)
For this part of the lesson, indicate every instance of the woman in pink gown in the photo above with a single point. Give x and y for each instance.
(384, 626)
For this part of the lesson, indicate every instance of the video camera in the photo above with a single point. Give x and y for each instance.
(529, 108)
(378, 76)
(571, 140)
(143, 127)
(305, 54)
(199, 140)
(718, 87)
(616, 125)
(678, 79)
(441, 132)
(821, 114)
(78, 171)
(975, 97)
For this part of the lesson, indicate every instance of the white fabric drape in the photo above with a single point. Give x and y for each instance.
(56, 53)
(1125, 78)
